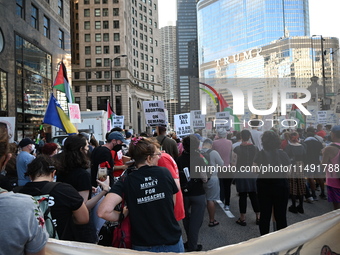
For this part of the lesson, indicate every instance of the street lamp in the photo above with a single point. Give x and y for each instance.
(111, 81)
(87, 91)
(323, 65)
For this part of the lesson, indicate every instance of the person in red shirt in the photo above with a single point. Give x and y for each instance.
(320, 131)
(168, 162)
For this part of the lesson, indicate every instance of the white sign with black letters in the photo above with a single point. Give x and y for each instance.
(118, 121)
(154, 113)
(182, 124)
(197, 120)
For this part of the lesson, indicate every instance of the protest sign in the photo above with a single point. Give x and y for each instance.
(154, 113)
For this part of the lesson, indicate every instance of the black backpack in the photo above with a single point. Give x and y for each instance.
(206, 155)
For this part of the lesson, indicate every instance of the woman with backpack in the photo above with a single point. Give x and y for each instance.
(65, 203)
(245, 181)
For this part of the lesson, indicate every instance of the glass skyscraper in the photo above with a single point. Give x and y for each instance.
(227, 27)
(187, 55)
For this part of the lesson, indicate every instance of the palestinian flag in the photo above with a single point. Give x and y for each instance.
(61, 83)
(298, 114)
(226, 108)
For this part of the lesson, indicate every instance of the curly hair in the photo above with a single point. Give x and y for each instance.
(73, 155)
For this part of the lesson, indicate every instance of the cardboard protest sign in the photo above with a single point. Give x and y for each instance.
(182, 124)
(118, 121)
(197, 120)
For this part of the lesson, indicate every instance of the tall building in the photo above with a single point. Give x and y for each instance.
(227, 27)
(264, 39)
(169, 70)
(187, 56)
(116, 57)
(34, 38)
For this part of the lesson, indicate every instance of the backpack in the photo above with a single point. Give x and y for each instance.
(206, 155)
(43, 201)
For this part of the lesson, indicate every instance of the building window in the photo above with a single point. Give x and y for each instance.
(61, 8)
(116, 37)
(116, 24)
(117, 74)
(97, 12)
(76, 88)
(115, 1)
(98, 25)
(115, 11)
(117, 62)
(89, 88)
(104, 2)
(97, 1)
(155, 24)
(106, 49)
(61, 39)
(105, 12)
(86, 25)
(34, 17)
(105, 24)
(116, 49)
(87, 50)
(150, 12)
(46, 27)
(86, 1)
(150, 21)
(98, 49)
(106, 37)
(152, 78)
(98, 62)
(99, 74)
(77, 100)
(98, 37)
(99, 88)
(86, 12)
(20, 10)
(106, 62)
(87, 38)
(76, 75)
(88, 62)
(151, 40)
(107, 87)
(107, 76)
(102, 103)
(152, 68)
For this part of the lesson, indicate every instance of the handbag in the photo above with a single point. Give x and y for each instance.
(122, 232)
(105, 235)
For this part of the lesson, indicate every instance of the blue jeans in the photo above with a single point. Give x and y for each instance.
(178, 247)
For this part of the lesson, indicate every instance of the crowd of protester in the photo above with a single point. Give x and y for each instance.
(153, 175)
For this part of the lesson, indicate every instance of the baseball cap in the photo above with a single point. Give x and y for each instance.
(336, 128)
(115, 135)
(24, 142)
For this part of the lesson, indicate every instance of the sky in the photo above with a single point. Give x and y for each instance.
(324, 16)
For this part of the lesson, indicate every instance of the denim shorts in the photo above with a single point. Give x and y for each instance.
(178, 247)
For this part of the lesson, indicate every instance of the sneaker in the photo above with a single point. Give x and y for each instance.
(226, 207)
(309, 200)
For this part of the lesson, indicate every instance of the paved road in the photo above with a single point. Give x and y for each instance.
(228, 232)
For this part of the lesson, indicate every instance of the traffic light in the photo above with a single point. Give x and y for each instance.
(321, 106)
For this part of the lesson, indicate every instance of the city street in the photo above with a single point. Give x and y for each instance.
(228, 232)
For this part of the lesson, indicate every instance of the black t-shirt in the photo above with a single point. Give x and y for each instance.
(313, 150)
(63, 199)
(99, 155)
(148, 193)
(191, 160)
(272, 159)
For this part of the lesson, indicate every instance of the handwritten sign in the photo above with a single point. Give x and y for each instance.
(118, 121)
(222, 120)
(197, 120)
(182, 124)
(154, 113)
(74, 113)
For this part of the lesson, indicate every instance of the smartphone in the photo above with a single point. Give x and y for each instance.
(102, 173)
